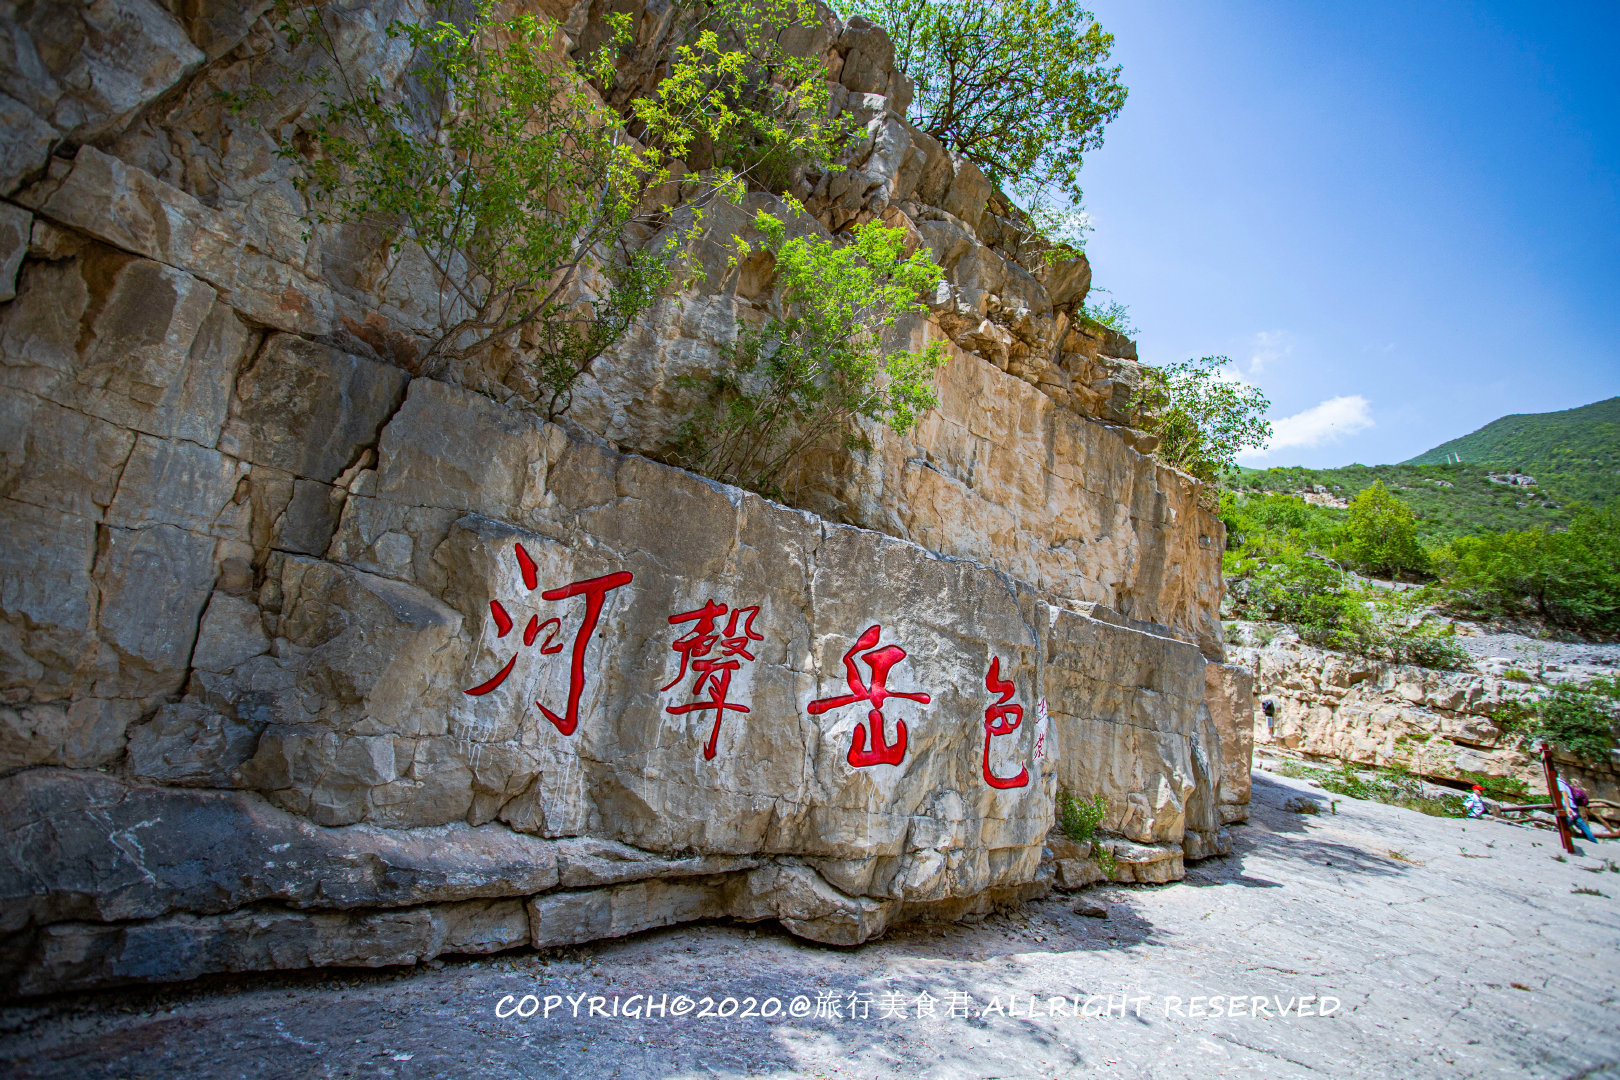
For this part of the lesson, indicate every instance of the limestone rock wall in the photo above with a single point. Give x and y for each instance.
(1438, 724)
(306, 658)
(1229, 693)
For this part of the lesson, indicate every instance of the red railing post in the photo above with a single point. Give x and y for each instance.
(1557, 799)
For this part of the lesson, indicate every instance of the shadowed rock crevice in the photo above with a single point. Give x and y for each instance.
(256, 564)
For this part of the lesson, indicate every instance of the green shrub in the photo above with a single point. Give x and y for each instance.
(1019, 87)
(1606, 686)
(800, 381)
(1502, 788)
(1383, 532)
(1203, 419)
(1296, 770)
(1079, 818)
(1576, 722)
(1395, 786)
(499, 165)
(1571, 577)
(1105, 860)
(1350, 783)
(1514, 674)
(1435, 806)
(734, 99)
(1108, 314)
(1515, 717)
(1425, 647)
(1298, 589)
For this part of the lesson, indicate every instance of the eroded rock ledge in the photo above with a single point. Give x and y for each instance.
(254, 564)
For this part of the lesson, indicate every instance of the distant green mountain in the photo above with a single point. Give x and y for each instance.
(1449, 500)
(1574, 454)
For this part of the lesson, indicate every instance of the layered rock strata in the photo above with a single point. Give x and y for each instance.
(310, 659)
(1441, 725)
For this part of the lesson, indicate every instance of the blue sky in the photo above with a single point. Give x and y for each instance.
(1401, 220)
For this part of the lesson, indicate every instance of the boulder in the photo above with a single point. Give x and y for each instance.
(379, 667)
(308, 409)
(15, 223)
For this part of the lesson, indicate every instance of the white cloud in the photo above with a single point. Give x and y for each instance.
(1270, 346)
(1328, 422)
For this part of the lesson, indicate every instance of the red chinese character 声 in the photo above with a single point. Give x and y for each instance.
(695, 647)
(881, 661)
(595, 591)
(997, 722)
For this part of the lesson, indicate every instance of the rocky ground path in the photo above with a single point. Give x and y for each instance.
(1454, 949)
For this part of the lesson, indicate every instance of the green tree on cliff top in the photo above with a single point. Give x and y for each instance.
(1203, 418)
(1021, 88)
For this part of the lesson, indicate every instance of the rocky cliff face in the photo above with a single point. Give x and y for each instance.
(1437, 724)
(309, 659)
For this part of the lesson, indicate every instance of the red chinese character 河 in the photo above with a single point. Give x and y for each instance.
(881, 661)
(997, 722)
(595, 591)
(695, 647)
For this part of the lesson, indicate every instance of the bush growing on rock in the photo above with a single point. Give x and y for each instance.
(1577, 722)
(1202, 418)
(801, 380)
(1109, 314)
(1021, 88)
(1079, 818)
(1326, 607)
(498, 164)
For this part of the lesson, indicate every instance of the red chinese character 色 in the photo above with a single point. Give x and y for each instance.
(695, 647)
(595, 591)
(881, 661)
(997, 722)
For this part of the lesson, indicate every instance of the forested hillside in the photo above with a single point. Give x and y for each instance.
(1573, 457)
(1529, 525)
(1575, 452)
(1448, 500)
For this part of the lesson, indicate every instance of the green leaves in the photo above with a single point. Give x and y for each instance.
(1110, 314)
(506, 175)
(1577, 722)
(1203, 418)
(1383, 532)
(500, 165)
(1019, 87)
(1079, 818)
(1571, 576)
(737, 100)
(799, 381)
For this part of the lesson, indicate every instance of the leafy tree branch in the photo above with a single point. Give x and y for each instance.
(800, 380)
(498, 162)
(1021, 88)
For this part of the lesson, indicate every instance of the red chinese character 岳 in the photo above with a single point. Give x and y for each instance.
(595, 591)
(695, 648)
(1001, 719)
(881, 661)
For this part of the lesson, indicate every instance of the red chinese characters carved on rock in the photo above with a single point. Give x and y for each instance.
(595, 591)
(696, 649)
(870, 745)
(1001, 719)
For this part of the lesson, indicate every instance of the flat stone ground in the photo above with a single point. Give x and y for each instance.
(1454, 948)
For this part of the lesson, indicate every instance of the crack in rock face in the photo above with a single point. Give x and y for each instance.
(309, 659)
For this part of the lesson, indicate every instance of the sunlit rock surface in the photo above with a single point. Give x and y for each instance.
(261, 578)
